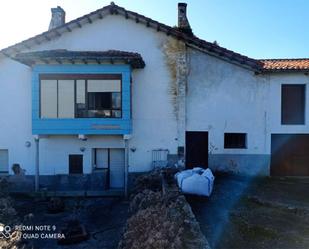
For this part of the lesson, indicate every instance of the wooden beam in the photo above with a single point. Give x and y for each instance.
(25, 45)
(57, 33)
(7, 55)
(31, 62)
(46, 37)
(45, 61)
(89, 19)
(16, 49)
(37, 41)
(78, 24)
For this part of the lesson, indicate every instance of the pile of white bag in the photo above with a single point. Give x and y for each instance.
(197, 181)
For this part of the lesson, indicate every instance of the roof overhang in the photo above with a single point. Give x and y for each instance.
(63, 56)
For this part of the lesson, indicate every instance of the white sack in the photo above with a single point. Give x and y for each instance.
(197, 181)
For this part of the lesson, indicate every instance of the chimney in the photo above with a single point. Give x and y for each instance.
(58, 18)
(183, 23)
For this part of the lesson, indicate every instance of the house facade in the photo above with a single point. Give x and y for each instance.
(112, 93)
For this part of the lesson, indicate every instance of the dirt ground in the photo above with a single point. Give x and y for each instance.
(104, 220)
(257, 214)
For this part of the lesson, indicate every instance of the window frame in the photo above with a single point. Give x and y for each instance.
(288, 122)
(245, 144)
(85, 77)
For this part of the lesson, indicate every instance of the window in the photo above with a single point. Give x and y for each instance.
(293, 104)
(75, 164)
(235, 140)
(80, 96)
(4, 161)
(101, 158)
(48, 99)
(104, 98)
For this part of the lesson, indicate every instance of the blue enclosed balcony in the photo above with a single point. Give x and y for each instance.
(81, 92)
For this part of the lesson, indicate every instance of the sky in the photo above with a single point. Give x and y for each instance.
(255, 28)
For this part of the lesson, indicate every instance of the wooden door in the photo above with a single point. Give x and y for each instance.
(289, 155)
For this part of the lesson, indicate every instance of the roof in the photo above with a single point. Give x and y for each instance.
(271, 65)
(114, 9)
(280, 65)
(64, 56)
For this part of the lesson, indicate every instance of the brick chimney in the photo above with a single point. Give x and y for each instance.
(183, 23)
(58, 18)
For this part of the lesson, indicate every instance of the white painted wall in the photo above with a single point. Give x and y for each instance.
(223, 97)
(276, 80)
(154, 123)
(55, 150)
(15, 110)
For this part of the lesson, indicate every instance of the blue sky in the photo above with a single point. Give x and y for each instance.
(256, 28)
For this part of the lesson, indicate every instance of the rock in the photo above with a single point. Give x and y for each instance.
(55, 205)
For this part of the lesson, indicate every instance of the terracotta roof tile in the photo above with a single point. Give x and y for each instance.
(285, 64)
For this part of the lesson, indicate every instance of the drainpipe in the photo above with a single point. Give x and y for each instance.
(126, 164)
(37, 162)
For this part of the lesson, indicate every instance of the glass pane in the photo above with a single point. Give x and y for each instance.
(81, 99)
(116, 114)
(116, 100)
(104, 86)
(66, 107)
(80, 92)
(48, 98)
(99, 100)
(4, 161)
(101, 158)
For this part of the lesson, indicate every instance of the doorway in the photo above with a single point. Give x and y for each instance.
(196, 149)
(112, 160)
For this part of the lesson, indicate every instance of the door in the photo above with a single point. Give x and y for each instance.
(101, 158)
(117, 162)
(196, 149)
(289, 155)
(75, 164)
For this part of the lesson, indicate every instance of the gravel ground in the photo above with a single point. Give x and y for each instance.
(257, 214)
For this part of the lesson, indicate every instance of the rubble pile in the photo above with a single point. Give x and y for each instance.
(160, 219)
(8, 217)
